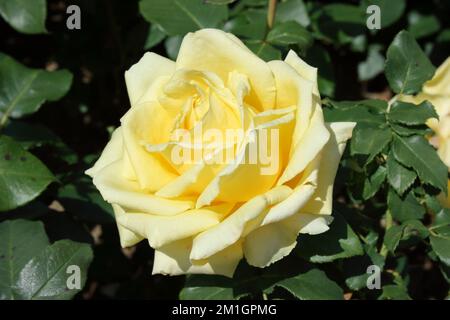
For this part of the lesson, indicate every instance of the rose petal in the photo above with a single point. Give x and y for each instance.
(216, 51)
(162, 230)
(140, 77)
(173, 259)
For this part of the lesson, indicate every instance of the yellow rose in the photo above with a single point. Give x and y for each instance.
(437, 91)
(204, 216)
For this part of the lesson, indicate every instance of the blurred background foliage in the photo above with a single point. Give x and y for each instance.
(62, 93)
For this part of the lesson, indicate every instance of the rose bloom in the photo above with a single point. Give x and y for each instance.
(437, 91)
(205, 216)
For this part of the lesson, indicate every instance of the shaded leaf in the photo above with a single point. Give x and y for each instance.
(20, 240)
(290, 33)
(399, 177)
(24, 15)
(312, 285)
(407, 66)
(373, 183)
(416, 153)
(406, 208)
(154, 37)
(23, 176)
(177, 17)
(45, 276)
(411, 114)
(24, 90)
(293, 10)
(339, 242)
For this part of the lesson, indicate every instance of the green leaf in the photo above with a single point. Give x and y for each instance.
(172, 45)
(392, 237)
(414, 228)
(292, 10)
(440, 243)
(354, 114)
(45, 276)
(220, 1)
(24, 15)
(320, 58)
(411, 114)
(404, 130)
(23, 176)
(24, 90)
(407, 66)
(290, 33)
(373, 65)
(339, 22)
(82, 199)
(154, 37)
(30, 135)
(370, 141)
(394, 292)
(263, 50)
(20, 240)
(177, 17)
(373, 183)
(312, 285)
(442, 218)
(339, 242)
(391, 11)
(406, 208)
(399, 177)
(198, 287)
(416, 153)
(421, 26)
(250, 24)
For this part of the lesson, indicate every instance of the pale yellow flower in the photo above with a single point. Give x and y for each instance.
(205, 217)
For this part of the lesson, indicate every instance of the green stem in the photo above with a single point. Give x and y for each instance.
(271, 13)
(389, 221)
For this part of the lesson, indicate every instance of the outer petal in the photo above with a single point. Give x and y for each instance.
(277, 236)
(237, 225)
(162, 230)
(143, 74)
(173, 259)
(272, 242)
(116, 189)
(216, 51)
(304, 69)
(112, 152)
(127, 237)
(322, 200)
(308, 147)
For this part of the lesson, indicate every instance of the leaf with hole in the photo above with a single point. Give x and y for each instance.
(20, 240)
(22, 176)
